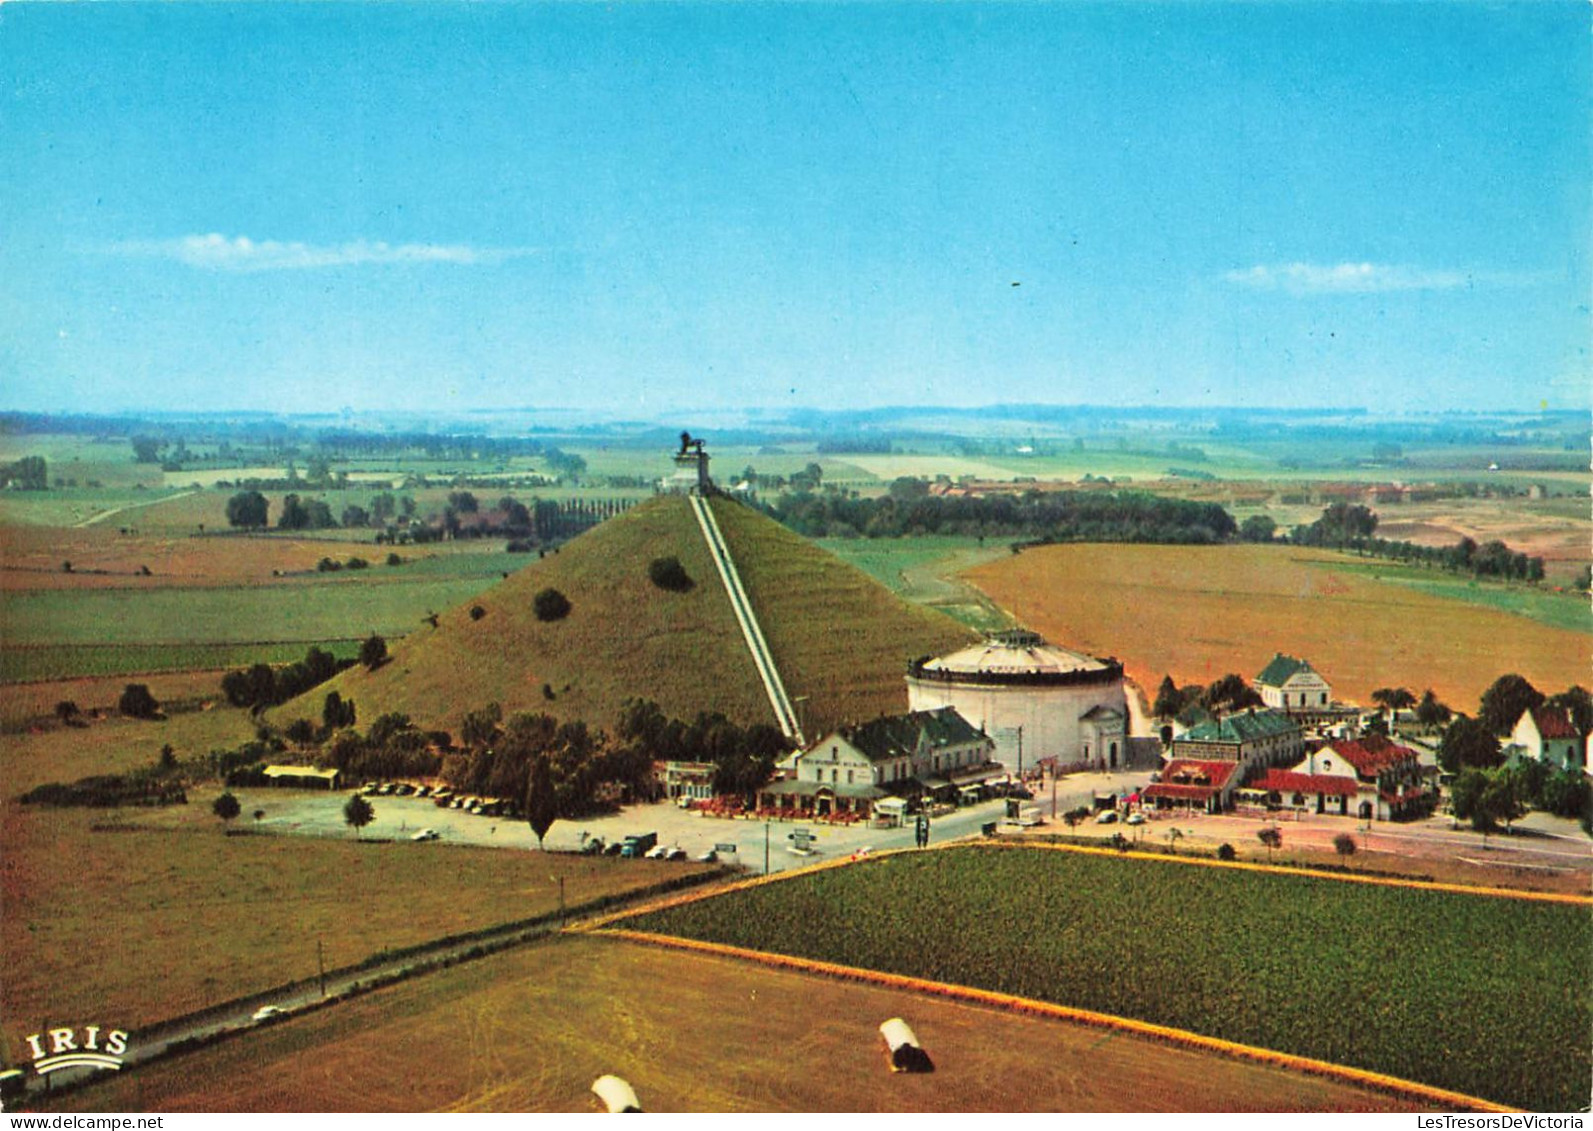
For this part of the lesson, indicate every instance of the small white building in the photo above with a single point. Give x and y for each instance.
(1290, 684)
(1548, 734)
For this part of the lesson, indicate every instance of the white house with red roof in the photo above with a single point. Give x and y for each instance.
(1190, 784)
(1332, 794)
(1549, 735)
(1388, 780)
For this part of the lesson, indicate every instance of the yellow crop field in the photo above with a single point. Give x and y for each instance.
(530, 1030)
(1199, 612)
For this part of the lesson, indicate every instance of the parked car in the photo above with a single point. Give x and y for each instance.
(425, 834)
(1106, 817)
(1136, 819)
(675, 854)
(657, 852)
(709, 857)
(614, 849)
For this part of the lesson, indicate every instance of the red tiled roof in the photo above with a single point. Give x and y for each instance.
(1285, 781)
(1371, 754)
(1554, 722)
(1193, 772)
(1181, 792)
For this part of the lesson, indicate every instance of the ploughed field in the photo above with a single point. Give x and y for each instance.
(531, 1029)
(1483, 995)
(1198, 612)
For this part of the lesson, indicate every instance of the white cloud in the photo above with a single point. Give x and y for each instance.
(1360, 278)
(240, 253)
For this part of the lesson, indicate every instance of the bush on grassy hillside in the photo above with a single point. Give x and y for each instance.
(668, 573)
(550, 605)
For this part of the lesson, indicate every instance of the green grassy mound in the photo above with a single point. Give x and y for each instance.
(839, 638)
(1482, 995)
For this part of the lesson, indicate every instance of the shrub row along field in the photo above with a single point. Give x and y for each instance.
(1480, 995)
(530, 1030)
(1196, 612)
(141, 916)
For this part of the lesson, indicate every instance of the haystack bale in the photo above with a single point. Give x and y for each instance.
(901, 1043)
(617, 1095)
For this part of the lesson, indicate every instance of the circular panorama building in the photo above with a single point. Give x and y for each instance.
(1036, 700)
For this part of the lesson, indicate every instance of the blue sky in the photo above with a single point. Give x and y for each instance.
(633, 206)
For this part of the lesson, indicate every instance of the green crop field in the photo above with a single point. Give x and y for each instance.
(66, 661)
(1483, 995)
(924, 571)
(1567, 610)
(308, 612)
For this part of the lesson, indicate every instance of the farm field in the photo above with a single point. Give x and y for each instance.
(1238, 955)
(309, 610)
(146, 914)
(1567, 610)
(1200, 612)
(924, 571)
(110, 745)
(49, 663)
(33, 703)
(808, 1044)
(103, 557)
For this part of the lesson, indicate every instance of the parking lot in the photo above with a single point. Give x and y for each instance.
(315, 813)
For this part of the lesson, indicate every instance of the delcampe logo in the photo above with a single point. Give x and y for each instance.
(56, 1049)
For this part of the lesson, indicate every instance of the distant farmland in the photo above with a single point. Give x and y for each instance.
(1198, 612)
(1387, 979)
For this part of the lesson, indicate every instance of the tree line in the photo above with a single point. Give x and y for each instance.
(587, 770)
(1034, 517)
(1348, 526)
(540, 521)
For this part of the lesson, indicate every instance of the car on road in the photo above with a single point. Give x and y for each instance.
(709, 857)
(1106, 817)
(426, 834)
(1135, 819)
(266, 1012)
(657, 852)
(675, 854)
